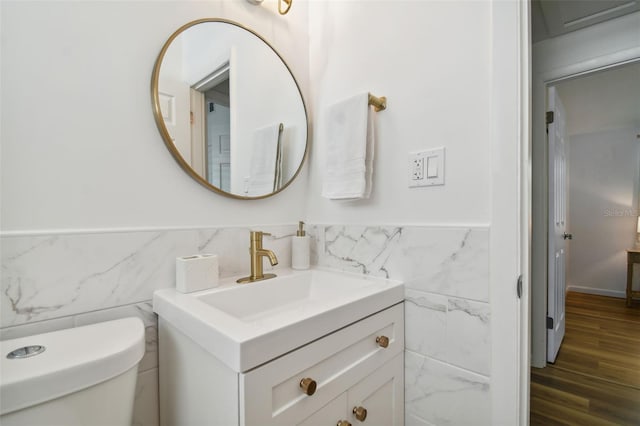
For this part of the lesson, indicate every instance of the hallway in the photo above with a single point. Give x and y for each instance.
(596, 377)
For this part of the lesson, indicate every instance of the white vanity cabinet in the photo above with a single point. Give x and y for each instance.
(349, 368)
(379, 397)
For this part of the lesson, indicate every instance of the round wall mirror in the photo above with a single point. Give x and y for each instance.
(229, 109)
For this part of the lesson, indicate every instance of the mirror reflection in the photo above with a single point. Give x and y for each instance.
(229, 109)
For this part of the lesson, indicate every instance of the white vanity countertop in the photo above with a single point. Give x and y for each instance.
(246, 325)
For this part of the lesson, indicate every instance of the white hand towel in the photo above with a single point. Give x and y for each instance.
(264, 157)
(350, 143)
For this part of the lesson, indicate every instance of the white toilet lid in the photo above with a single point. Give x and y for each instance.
(73, 359)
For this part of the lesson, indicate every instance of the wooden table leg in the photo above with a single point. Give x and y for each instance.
(629, 281)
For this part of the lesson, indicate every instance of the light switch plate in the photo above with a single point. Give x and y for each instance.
(426, 168)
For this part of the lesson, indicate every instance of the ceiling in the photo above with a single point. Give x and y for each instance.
(551, 18)
(602, 101)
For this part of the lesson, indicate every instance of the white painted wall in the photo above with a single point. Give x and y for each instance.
(601, 101)
(432, 61)
(454, 73)
(80, 148)
(603, 45)
(172, 85)
(603, 188)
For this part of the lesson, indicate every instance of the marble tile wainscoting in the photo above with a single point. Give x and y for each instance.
(50, 282)
(55, 281)
(447, 324)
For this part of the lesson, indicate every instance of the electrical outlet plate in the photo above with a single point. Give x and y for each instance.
(416, 168)
(426, 168)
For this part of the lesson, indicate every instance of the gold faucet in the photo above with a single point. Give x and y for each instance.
(257, 253)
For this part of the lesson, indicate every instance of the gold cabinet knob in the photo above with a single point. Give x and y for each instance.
(382, 341)
(360, 413)
(343, 423)
(308, 386)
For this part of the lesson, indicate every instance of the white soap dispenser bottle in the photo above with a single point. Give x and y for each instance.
(300, 250)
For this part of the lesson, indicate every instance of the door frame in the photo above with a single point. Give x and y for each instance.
(508, 243)
(557, 68)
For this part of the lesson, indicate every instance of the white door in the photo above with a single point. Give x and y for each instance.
(557, 225)
(218, 145)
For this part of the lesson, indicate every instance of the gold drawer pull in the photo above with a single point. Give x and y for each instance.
(360, 413)
(382, 341)
(308, 386)
(343, 423)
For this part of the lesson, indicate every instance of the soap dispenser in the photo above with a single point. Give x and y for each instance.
(300, 250)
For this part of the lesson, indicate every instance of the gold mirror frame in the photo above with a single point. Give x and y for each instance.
(157, 113)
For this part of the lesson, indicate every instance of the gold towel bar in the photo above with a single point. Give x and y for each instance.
(379, 103)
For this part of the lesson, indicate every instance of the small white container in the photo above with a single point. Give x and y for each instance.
(300, 249)
(197, 272)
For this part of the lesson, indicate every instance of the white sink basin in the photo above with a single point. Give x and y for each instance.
(286, 295)
(246, 325)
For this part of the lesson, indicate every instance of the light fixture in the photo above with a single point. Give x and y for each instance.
(280, 7)
(285, 11)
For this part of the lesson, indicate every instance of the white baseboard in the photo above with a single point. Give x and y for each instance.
(598, 291)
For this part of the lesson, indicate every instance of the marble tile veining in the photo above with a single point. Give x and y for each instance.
(451, 261)
(145, 408)
(232, 247)
(144, 311)
(447, 314)
(45, 277)
(444, 395)
(469, 335)
(34, 328)
(413, 420)
(316, 235)
(426, 323)
(455, 331)
(68, 274)
(54, 282)
(359, 249)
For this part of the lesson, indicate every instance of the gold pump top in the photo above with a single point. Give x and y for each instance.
(301, 232)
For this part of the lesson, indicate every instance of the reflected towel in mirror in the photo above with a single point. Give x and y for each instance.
(350, 149)
(264, 161)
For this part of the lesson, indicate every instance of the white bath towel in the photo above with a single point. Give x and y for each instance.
(264, 158)
(350, 143)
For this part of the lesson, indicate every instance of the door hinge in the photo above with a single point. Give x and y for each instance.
(549, 117)
(519, 287)
(549, 323)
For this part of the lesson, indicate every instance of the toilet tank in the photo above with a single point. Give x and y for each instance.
(83, 376)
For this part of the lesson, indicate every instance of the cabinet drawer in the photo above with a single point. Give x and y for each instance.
(272, 393)
(381, 394)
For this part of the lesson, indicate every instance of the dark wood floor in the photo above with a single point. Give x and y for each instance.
(596, 377)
